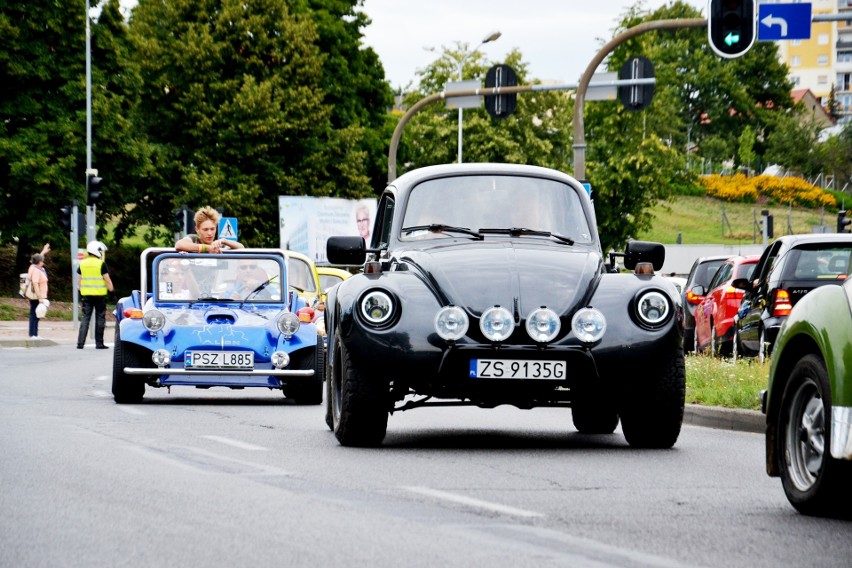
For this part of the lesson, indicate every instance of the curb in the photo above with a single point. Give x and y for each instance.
(725, 418)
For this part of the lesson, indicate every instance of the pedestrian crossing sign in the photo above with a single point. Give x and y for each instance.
(228, 228)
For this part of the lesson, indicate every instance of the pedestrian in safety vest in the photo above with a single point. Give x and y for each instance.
(94, 283)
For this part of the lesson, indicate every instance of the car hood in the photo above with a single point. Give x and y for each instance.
(202, 316)
(509, 273)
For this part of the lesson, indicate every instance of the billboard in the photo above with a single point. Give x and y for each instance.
(305, 223)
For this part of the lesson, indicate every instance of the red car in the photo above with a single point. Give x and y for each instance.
(714, 317)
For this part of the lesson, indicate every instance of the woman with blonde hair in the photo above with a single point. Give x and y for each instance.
(204, 239)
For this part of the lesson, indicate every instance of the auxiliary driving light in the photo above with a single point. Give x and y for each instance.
(160, 357)
(280, 359)
(543, 325)
(588, 325)
(497, 323)
(451, 323)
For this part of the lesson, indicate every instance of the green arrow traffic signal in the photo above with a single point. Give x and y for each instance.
(732, 38)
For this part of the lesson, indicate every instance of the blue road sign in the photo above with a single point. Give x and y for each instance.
(228, 228)
(783, 21)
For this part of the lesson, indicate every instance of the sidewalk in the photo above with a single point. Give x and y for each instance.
(14, 334)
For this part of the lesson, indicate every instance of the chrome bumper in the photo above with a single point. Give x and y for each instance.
(841, 432)
(158, 371)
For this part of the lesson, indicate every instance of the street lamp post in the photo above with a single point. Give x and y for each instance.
(490, 37)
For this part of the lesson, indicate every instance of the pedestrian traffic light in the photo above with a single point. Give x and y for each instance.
(65, 219)
(92, 191)
(732, 26)
(843, 222)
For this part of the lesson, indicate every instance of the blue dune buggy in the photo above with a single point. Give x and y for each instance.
(216, 320)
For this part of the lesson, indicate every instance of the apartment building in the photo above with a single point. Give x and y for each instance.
(825, 60)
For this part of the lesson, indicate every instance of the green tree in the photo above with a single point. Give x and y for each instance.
(745, 147)
(42, 118)
(538, 132)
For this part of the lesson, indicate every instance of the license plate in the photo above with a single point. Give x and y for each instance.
(517, 369)
(219, 360)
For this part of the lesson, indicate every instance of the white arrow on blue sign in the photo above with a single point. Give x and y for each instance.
(783, 21)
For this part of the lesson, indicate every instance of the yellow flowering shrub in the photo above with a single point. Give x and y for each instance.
(783, 191)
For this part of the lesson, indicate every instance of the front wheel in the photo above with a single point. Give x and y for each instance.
(126, 389)
(308, 390)
(359, 404)
(593, 413)
(652, 410)
(814, 482)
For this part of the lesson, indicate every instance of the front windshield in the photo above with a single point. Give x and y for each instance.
(214, 277)
(301, 275)
(496, 202)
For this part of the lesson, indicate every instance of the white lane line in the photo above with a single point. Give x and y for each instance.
(471, 502)
(131, 410)
(101, 377)
(101, 393)
(236, 443)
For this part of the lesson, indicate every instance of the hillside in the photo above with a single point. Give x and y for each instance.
(699, 220)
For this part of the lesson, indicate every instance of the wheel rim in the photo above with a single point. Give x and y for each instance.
(761, 349)
(735, 346)
(805, 436)
(714, 341)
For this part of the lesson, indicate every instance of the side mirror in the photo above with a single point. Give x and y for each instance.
(742, 284)
(346, 250)
(643, 251)
(699, 290)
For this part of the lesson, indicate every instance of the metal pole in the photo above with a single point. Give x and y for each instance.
(493, 36)
(75, 215)
(90, 209)
(580, 98)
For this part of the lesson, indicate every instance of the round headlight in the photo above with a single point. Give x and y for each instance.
(543, 325)
(653, 308)
(497, 323)
(154, 320)
(451, 323)
(288, 324)
(280, 359)
(376, 307)
(588, 325)
(160, 357)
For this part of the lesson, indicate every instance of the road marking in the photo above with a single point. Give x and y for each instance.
(236, 443)
(471, 502)
(101, 377)
(101, 393)
(131, 410)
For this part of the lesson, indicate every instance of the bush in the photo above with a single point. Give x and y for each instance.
(781, 191)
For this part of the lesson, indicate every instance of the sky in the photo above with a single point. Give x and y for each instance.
(557, 38)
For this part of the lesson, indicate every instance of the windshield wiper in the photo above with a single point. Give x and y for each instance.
(439, 228)
(260, 287)
(518, 231)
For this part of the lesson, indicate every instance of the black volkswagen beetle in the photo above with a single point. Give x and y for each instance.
(485, 284)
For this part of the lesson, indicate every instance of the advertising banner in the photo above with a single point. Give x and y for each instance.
(305, 223)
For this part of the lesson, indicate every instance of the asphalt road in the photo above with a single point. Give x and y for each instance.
(225, 477)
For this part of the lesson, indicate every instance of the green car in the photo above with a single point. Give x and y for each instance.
(808, 404)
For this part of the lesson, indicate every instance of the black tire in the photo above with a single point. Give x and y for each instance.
(814, 482)
(359, 406)
(592, 413)
(308, 390)
(736, 345)
(126, 389)
(652, 410)
(715, 346)
(762, 349)
(329, 413)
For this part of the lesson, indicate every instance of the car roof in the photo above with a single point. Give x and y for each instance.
(794, 240)
(416, 176)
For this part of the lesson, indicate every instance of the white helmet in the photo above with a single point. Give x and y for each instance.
(96, 248)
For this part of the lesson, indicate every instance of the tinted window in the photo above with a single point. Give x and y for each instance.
(817, 263)
(497, 202)
(705, 271)
(746, 270)
(723, 274)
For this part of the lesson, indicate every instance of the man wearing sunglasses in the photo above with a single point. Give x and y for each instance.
(249, 277)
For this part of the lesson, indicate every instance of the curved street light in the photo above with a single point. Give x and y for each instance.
(490, 37)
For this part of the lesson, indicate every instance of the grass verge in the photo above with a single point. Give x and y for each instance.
(711, 381)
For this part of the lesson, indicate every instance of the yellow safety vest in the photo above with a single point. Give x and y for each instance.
(93, 283)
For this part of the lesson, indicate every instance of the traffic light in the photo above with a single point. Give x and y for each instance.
(732, 26)
(67, 212)
(178, 213)
(843, 222)
(92, 191)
